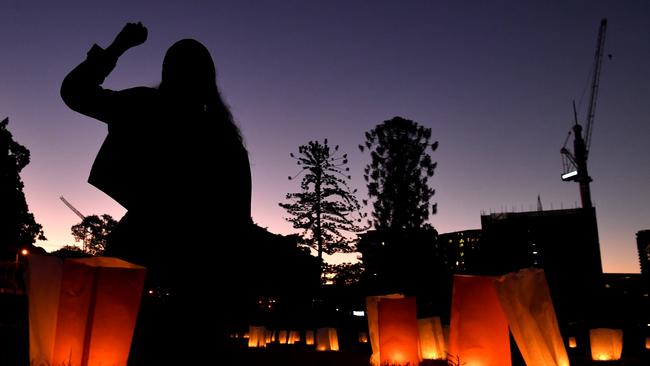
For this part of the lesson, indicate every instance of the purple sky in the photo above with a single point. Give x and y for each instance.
(493, 80)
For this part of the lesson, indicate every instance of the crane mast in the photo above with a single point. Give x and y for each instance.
(81, 216)
(578, 159)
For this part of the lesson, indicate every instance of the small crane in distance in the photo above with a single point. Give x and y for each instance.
(575, 164)
(81, 216)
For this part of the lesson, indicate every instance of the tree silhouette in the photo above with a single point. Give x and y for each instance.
(402, 253)
(397, 177)
(326, 208)
(70, 251)
(93, 231)
(18, 228)
(343, 274)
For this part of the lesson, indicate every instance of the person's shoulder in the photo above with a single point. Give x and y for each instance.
(142, 98)
(141, 91)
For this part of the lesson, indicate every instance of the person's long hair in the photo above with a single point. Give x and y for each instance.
(189, 75)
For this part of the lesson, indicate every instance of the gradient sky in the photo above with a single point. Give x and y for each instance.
(494, 80)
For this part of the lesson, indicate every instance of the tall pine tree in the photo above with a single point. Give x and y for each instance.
(397, 176)
(402, 253)
(326, 208)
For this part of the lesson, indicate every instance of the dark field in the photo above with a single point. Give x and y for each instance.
(14, 347)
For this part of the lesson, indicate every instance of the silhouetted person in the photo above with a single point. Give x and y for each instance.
(174, 158)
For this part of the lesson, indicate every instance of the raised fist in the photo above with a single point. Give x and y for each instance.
(133, 34)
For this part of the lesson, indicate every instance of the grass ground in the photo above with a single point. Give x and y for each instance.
(14, 331)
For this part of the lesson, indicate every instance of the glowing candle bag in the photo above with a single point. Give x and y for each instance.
(327, 339)
(283, 335)
(478, 333)
(96, 311)
(526, 301)
(398, 332)
(572, 342)
(363, 337)
(256, 336)
(309, 338)
(294, 337)
(606, 344)
(432, 339)
(373, 324)
(268, 336)
(43, 282)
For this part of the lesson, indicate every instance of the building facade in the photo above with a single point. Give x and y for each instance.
(643, 246)
(461, 250)
(562, 242)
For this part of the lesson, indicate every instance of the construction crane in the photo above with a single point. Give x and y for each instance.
(575, 164)
(70, 206)
(81, 216)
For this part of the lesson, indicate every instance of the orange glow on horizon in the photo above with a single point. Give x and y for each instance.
(57, 221)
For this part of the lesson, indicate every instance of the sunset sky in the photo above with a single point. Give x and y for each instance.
(494, 80)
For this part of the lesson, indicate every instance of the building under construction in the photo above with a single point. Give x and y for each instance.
(643, 246)
(562, 242)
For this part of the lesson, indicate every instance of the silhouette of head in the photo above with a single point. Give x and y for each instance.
(188, 71)
(189, 77)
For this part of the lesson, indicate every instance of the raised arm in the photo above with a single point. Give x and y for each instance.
(81, 89)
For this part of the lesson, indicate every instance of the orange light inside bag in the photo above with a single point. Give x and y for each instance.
(479, 333)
